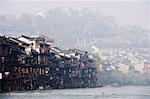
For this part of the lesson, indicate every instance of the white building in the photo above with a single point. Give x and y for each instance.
(28, 40)
(34, 42)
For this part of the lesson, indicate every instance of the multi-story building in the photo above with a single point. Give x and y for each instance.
(146, 68)
(33, 63)
(11, 54)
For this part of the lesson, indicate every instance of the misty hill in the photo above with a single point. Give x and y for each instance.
(75, 29)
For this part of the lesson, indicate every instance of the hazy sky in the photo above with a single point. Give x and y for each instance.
(126, 12)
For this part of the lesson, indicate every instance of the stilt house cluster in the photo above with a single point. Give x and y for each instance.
(32, 63)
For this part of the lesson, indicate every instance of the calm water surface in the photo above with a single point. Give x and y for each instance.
(126, 92)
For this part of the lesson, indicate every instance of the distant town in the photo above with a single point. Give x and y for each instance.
(123, 66)
(124, 59)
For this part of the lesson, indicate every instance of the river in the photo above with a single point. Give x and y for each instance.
(125, 92)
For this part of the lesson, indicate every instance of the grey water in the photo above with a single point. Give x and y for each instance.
(108, 92)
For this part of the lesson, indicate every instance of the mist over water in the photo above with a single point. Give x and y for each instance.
(126, 92)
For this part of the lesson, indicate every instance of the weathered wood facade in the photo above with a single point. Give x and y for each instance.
(45, 69)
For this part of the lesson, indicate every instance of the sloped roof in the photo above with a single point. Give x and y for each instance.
(45, 38)
(18, 41)
(5, 40)
(27, 37)
(56, 49)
